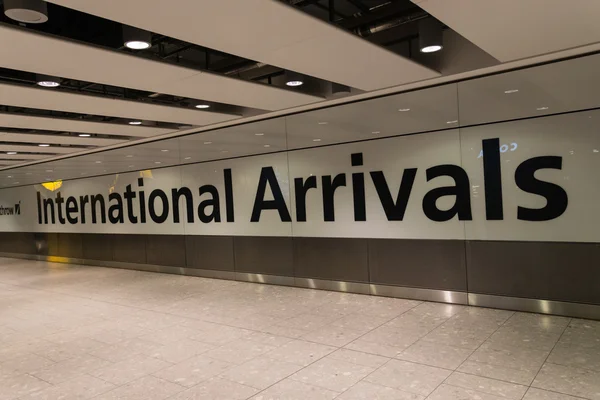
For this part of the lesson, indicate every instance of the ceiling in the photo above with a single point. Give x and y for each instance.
(235, 58)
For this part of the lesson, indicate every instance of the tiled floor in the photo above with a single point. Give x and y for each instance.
(86, 332)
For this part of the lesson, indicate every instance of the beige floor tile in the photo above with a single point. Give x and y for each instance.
(266, 338)
(14, 386)
(180, 350)
(239, 351)
(409, 377)
(448, 392)
(380, 349)
(216, 389)
(332, 374)
(357, 357)
(575, 356)
(27, 363)
(130, 369)
(289, 389)
(146, 388)
(300, 352)
(193, 371)
(261, 372)
(486, 385)
(521, 376)
(539, 394)
(79, 388)
(435, 354)
(332, 335)
(568, 380)
(360, 322)
(366, 390)
(71, 368)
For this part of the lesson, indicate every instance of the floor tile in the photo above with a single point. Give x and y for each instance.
(216, 389)
(448, 392)
(521, 376)
(131, 369)
(79, 388)
(575, 356)
(436, 355)
(261, 372)
(332, 335)
(146, 388)
(357, 357)
(486, 385)
(365, 390)
(539, 394)
(70, 368)
(300, 352)
(569, 380)
(179, 350)
(332, 374)
(193, 371)
(239, 351)
(289, 389)
(380, 349)
(409, 377)
(14, 386)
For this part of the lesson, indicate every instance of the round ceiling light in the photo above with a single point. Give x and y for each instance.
(135, 38)
(430, 35)
(26, 11)
(47, 81)
(294, 83)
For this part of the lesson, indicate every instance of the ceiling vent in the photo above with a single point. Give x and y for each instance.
(26, 11)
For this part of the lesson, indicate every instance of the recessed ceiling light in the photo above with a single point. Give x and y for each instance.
(404, 109)
(164, 150)
(259, 134)
(136, 38)
(202, 106)
(323, 123)
(294, 83)
(509, 91)
(28, 173)
(431, 49)
(316, 140)
(156, 162)
(16, 183)
(224, 151)
(137, 45)
(98, 162)
(596, 150)
(135, 122)
(454, 121)
(47, 81)
(9, 176)
(267, 145)
(375, 132)
(84, 135)
(44, 145)
(129, 155)
(187, 158)
(207, 142)
(542, 108)
(11, 153)
(49, 170)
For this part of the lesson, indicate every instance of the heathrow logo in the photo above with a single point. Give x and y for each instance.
(14, 210)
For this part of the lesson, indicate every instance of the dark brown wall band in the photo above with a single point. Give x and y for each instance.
(566, 272)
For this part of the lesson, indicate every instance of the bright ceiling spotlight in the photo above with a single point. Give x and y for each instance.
(44, 145)
(11, 153)
(47, 81)
(430, 35)
(26, 11)
(202, 106)
(404, 109)
(135, 122)
(293, 79)
(84, 135)
(135, 38)
(511, 91)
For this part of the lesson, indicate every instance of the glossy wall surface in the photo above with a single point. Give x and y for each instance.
(483, 191)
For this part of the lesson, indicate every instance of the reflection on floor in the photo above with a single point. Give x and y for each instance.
(101, 333)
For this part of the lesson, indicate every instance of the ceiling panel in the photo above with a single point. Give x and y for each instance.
(26, 148)
(267, 31)
(4, 156)
(59, 100)
(514, 29)
(70, 125)
(56, 139)
(58, 57)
